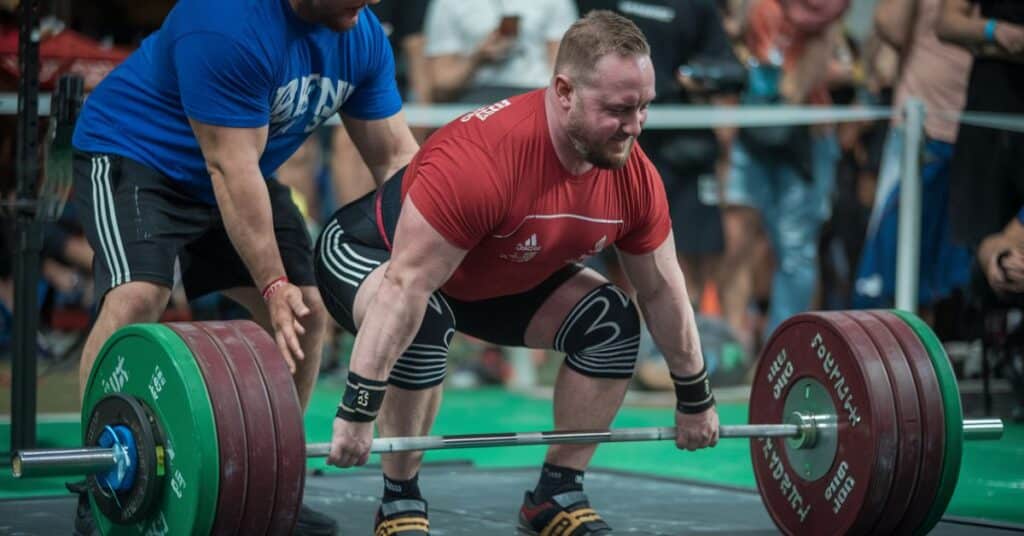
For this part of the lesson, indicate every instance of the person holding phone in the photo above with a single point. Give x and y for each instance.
(482, 52)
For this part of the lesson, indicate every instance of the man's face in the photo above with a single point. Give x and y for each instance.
(608, 110)
(338, 15)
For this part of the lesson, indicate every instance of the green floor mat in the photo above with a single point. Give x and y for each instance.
(991, 481)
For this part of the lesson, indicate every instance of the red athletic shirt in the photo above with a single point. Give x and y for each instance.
(490, 182)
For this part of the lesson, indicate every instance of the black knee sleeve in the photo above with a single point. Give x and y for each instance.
(423, 364)
(601, 334)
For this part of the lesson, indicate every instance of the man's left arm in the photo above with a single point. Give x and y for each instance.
(662, 298)
(665, 305)
(386, 145)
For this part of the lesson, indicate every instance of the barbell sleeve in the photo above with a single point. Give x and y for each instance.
(52, 462)
(55, 462)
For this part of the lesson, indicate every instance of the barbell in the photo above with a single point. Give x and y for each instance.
(195, 428)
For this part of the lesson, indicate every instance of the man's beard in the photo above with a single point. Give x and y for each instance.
(594, 153)
(332, 20)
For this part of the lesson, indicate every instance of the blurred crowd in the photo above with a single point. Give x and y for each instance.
(769, 221)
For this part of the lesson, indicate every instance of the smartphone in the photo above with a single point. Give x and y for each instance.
(509, 26)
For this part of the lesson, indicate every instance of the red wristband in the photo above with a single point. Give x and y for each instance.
(272, 287)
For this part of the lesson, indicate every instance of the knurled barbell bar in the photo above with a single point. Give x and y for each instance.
(855, 417)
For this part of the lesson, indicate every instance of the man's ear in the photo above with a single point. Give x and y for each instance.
(564, 89)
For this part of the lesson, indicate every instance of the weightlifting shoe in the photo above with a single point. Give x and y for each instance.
(85, 525)
(403, 517)
(313, 523)
(565, 514)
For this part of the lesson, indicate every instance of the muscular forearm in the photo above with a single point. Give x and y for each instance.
(384, 170)
(245, 208)
(670, 319)
(393, 317)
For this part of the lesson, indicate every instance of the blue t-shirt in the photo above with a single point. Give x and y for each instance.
(236, 63)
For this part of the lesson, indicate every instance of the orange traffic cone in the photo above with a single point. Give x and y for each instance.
(709, 302)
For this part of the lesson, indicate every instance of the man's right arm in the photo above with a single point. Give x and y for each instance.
(451, 65)
(453, 72)
(232, 159)
(422, 260)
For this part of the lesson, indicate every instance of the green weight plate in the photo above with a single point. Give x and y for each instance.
(153, 364)
(954, 419)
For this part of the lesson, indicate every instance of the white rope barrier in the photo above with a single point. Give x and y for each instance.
(674, 117)
(666, 117)
(660, 116)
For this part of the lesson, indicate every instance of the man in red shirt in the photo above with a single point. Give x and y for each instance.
(483, 232)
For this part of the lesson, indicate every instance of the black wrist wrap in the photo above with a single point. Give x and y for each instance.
(693, 393)
(362, 399)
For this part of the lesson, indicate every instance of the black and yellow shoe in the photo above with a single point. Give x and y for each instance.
(309, 522)
(565, 514)
(404, 517)
(85, 525)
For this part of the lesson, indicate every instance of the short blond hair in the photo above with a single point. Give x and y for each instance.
(594, 36)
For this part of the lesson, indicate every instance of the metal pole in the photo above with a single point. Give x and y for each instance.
(908, 256)
(53, 462)
(983, 429)
(50, 462)
(29, 236)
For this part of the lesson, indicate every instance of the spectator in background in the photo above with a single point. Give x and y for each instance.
(686, 36)
(935, 73)
(782, 176)
(403, 22)
(986, 180)
(1001, 260)
(481, 52)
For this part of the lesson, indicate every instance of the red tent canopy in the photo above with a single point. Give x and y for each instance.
(61, 53)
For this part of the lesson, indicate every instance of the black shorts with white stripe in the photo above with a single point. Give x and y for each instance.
(351, 247)
(140, 222)
(348, 250)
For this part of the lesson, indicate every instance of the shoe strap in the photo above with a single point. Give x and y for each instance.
(569, 498)
(391, 508)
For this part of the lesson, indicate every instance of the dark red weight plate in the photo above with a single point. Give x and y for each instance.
(262, 480)
(908, 420)
(227, 412)
(287, 425)
(835, 352)
(933, 424)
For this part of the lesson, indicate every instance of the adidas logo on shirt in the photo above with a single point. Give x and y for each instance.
(525, 250)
